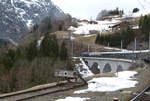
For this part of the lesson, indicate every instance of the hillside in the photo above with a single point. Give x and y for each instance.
(17, 16)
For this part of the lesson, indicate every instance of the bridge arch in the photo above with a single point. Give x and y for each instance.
(119, 68)
(107, 68)
(95, 68)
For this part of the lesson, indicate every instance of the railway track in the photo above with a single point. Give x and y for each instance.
(31, 94)
(144, 95)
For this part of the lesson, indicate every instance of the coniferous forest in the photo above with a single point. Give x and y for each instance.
(33, 64)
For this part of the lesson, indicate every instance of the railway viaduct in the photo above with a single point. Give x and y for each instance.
(113, 61)
(105, 65)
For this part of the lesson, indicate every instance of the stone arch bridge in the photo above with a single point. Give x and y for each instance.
(104, 65)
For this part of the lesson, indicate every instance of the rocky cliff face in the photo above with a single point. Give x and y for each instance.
(19, 15)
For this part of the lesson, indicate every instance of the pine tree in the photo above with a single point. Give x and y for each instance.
(7, 62)
(11, 54)
(31, 50)
(18, 54)
(47, 25)
(54, 46)
(8, 59)
(135, 10)
(49, 46)
(144, 25)
(97, 39)
(35, 27)
(63, 51)
(45, 46)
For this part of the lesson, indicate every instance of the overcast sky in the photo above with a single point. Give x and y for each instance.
(90, 8)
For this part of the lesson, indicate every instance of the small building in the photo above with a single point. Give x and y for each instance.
(93, 22)
(94, 31)
(106, 18)
(110, 17)
(84, 21)
(74, 20)
(62, 34)
(121, 26)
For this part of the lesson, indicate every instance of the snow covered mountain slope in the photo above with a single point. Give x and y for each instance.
(19, 15)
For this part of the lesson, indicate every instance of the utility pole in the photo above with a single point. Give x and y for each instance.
(95, 49)
(72, 44)
(72, 47)
(140, 51)
(149, 41)
(133, 54)
(88, 48)
(135, 44)
(149, 45)
(108, 44)
(121, 44)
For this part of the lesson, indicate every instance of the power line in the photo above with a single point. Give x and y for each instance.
(141, 5)
(147, 2)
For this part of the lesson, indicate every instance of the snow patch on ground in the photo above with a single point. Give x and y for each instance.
(30, 2)
(39, 43)
(36, 14)
(73, 99)
(72, 38)
(122, 50)
(89, 35)
(102, 26)
(84, 71)
(22, 12)
(135, 27)
(122, 80)
(71, 28)
(29, 23)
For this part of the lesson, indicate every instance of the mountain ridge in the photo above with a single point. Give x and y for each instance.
(19, 16)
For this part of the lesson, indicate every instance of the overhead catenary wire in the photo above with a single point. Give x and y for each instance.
(142, 5)
(147, 2)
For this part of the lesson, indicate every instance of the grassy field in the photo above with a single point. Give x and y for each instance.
(89, 40)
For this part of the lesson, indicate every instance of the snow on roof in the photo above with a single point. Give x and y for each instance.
(71, 28)
(73, 99)
(124, 79)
